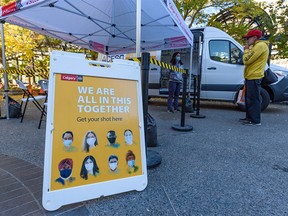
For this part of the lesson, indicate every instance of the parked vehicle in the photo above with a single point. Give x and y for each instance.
(222, 69)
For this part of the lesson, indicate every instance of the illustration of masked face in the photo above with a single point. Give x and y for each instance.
(89, 165)
(91, 140)
(128, 137)
(67, 139)
(131, 163)
(111, 137)
(113, 163)
(66, 171)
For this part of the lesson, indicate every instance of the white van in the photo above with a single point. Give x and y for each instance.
(222, 69)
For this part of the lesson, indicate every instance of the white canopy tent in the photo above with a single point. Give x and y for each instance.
(105, 26)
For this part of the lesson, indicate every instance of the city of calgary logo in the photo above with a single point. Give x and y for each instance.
(71, 77)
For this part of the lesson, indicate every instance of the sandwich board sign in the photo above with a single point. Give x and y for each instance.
(94, 143)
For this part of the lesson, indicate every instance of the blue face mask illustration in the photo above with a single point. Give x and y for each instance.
(65, 173)
(131, 163)
(67, 143)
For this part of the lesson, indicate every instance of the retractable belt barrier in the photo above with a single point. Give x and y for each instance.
(44, 73)
(29, 73)
(161, 64)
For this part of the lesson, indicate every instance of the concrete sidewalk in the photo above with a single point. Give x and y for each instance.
(219, 168)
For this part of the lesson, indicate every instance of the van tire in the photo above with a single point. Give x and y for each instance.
(265, 101)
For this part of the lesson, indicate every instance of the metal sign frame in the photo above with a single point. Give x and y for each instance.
(63, 114)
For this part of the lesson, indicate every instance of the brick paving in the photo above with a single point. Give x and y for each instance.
(21, 190)
(21, 181)
(21, 187)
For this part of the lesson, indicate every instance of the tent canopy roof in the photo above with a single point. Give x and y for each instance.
(105, 26)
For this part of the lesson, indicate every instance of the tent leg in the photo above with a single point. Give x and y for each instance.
(5, 74)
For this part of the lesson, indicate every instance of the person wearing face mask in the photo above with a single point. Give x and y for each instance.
(113, 164)
(255, 56)
(111, 136)
(89, 166)
(65, 168)
(67, 139)
(90, 141)
(128, 135)
(175, 83)
(130, 159)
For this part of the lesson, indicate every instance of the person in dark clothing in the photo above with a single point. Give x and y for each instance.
(175, 83)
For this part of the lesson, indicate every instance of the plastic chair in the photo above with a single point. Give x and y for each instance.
(27, 96)
(44, 86)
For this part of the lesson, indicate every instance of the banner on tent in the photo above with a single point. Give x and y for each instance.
(17, 5)
(94, 143)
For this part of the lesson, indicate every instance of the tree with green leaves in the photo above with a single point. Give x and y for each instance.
(198, 12)
(242, 17)
(271, 19)
(279, 16)
(237, 17)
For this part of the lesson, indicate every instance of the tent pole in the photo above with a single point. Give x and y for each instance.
(190, 71)
(5, 74)
(138, 28)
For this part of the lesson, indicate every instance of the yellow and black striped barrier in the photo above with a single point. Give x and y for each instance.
(44, 73)
(161, 64)
(29, 73)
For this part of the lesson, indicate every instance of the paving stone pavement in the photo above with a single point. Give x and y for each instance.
(21, 190)
(20, 180)
(219, 168)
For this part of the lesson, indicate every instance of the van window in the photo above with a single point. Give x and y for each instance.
(224, 51)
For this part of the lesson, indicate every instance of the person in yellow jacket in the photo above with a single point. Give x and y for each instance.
(255, 58)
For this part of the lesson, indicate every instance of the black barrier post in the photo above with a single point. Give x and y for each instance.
(194, 93)
(198, 115)
(182, 126)
(153, 158)
(188, 104)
